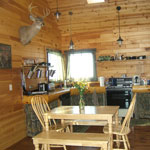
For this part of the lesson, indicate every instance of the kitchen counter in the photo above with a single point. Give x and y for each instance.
(141, 88)
(55, 94)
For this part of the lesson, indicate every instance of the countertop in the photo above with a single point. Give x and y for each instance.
(141, 88)
(73, 91)
(55, 94)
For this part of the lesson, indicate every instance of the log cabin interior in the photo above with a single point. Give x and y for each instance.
(91, 27)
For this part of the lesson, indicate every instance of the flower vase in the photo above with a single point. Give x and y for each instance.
(81, 103)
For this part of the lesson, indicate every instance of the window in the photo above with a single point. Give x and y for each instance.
(56, 60)
(81, 65)
(95, 1)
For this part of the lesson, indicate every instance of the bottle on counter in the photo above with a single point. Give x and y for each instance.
(65, 83)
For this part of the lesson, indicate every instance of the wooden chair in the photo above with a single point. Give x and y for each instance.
(121, 131)
(40, 106)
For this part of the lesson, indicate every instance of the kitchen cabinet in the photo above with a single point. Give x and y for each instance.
(142, 110)
(32, 122)
(88, 99)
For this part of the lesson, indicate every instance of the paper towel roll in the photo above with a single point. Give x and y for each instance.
(102, 81)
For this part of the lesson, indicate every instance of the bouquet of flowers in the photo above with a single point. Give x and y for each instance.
(81, 86)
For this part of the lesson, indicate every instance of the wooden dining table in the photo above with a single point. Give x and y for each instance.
(106, 113)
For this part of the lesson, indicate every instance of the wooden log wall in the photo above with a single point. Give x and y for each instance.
(14, 14)
(93, 26)
(96, 26)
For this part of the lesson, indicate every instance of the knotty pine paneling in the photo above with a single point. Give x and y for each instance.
(12, 128)
(96, 26)
(14, 14)
(93, 26)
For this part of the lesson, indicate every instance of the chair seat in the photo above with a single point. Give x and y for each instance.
(117, 130)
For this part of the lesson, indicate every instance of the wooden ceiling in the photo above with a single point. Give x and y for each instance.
(100, 16)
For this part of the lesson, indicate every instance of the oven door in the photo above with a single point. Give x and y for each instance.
(119, 97)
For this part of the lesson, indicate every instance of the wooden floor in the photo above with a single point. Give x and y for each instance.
(139, 139)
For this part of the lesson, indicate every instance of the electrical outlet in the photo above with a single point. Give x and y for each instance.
(10, 87)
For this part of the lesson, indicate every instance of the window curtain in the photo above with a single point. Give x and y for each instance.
(57, 61)
(81, 65)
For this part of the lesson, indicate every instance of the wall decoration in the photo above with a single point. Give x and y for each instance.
(5, 56)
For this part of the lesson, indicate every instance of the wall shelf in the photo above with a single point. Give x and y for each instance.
(122, 60)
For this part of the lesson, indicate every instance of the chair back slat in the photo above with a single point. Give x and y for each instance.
(95, 99)
(126, 122)
(40, 106)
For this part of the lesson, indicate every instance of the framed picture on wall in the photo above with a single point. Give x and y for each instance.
(5, 56)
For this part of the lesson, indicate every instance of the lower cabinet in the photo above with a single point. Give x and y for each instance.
(32, 123)
(142, 110)
(90, 99)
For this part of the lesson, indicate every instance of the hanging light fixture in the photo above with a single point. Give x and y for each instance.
(57, 13)
(120, 40)
(71, 47)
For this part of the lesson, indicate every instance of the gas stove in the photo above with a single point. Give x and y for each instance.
(119, 93)
(119, 83)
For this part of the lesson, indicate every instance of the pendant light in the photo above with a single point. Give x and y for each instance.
(120, 40)
(57, 13)
(71, 47)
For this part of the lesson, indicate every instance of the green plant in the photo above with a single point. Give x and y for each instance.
(81, 86)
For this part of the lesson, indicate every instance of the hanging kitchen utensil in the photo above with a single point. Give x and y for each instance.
(32, 71)
(53, 73)
(46, 73)
(50, 72)
(38, 73)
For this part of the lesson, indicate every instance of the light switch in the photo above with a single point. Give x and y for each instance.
(10, 87)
